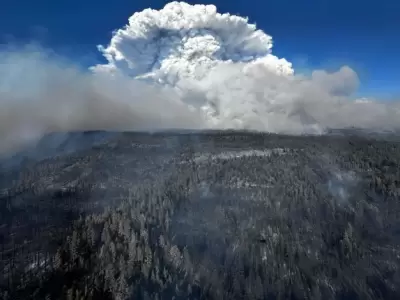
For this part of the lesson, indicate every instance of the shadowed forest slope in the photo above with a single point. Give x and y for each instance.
(216, 215)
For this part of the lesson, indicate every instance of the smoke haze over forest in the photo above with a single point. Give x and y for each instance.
(181, 67)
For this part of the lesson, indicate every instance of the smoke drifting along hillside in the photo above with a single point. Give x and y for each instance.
(41, 94)
(180, 67)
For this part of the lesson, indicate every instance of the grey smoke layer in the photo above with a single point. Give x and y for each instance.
(39, 94)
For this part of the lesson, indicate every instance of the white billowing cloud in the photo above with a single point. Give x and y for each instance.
(223, 68)
(186, 41)
(182, 67)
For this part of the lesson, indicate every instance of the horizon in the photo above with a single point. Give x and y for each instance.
(190, 67)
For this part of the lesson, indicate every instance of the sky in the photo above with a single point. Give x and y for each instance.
(310, 33)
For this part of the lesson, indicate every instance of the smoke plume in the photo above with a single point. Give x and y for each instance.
(224, 69)
(184, 66)
(40, 93)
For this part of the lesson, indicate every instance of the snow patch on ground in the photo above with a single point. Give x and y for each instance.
(227, 155)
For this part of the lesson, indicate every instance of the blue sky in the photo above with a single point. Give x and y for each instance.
(309, 33)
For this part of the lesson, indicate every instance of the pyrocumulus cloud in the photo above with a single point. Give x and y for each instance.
(223, 67)
(184, 66)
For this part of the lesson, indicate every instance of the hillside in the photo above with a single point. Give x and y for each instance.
(216, 215)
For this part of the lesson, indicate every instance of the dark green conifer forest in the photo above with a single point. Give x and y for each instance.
(216, 215)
